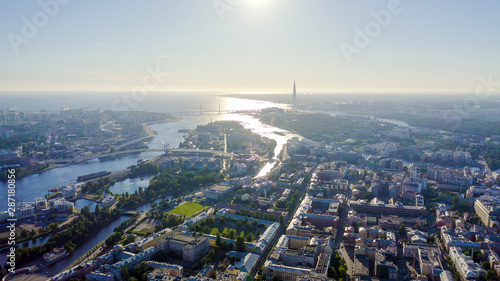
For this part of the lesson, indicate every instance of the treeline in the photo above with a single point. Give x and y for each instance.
(207, 226)
(138, 273)
(338, 270)
(144, 169)
(21, 172)
(167, 220)
(270, 148)
(257, 214)
(79, 231)
(453, 124)
(170, 182)
(314, 126)
(492, 156)
(98, 187)
(119, 230)
(21, 140)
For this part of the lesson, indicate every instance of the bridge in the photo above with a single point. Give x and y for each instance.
(170, 152)
(201, 112)
(125, 152)
(208, 111)
(194, 152)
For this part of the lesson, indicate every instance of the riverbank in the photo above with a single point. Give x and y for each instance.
(170, 120)
(53, 163)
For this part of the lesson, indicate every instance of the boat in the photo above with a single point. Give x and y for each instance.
(55, 255)
(93, 176)
(183, 131)
(119, 155)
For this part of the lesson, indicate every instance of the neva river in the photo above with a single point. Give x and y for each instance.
(38, 185)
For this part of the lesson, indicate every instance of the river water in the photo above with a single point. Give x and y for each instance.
(38, 185)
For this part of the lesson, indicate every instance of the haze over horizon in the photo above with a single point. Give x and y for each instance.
(256, 46)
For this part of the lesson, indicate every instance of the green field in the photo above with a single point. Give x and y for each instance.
(187, 209)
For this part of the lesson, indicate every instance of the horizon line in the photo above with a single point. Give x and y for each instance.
(225, 93)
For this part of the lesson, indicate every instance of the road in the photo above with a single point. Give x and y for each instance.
(264, 255)
(487, 169)
(341, 229)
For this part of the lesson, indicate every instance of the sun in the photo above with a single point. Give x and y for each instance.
(257, 2)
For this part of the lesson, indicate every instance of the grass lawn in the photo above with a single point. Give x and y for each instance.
(187, 209)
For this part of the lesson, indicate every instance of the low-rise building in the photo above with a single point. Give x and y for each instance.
(61, 205)
(189, 248)
(218, 191)
(467, 268)
(171, 269)
(40, 203)
(69, 191)
(388, 209)
(108, 200)
(25, 210)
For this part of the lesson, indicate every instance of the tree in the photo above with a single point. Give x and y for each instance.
(86, 211)
(402, 230)
(275, 277)
(240, 244)
(281, 219)
(430, 240)
(53, 228)
(332, 272)
(218, 240)
(141, 269)
(70, 246)
(211, 254)
(250, 237)
(205, 260)
(113, 238)
(368, 196)
(342, 272)
(124, 271)
(355, 226)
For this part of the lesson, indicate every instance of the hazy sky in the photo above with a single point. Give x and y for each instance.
(258, 45)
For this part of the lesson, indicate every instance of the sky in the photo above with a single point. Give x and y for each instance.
(232, 46)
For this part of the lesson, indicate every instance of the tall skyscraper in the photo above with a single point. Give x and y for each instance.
(294, 93)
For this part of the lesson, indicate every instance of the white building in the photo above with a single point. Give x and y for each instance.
(69, 191)
(61, 205)
(217, 191)
(108, 200)
(467, 268)
(25, 210)
(40, 203)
